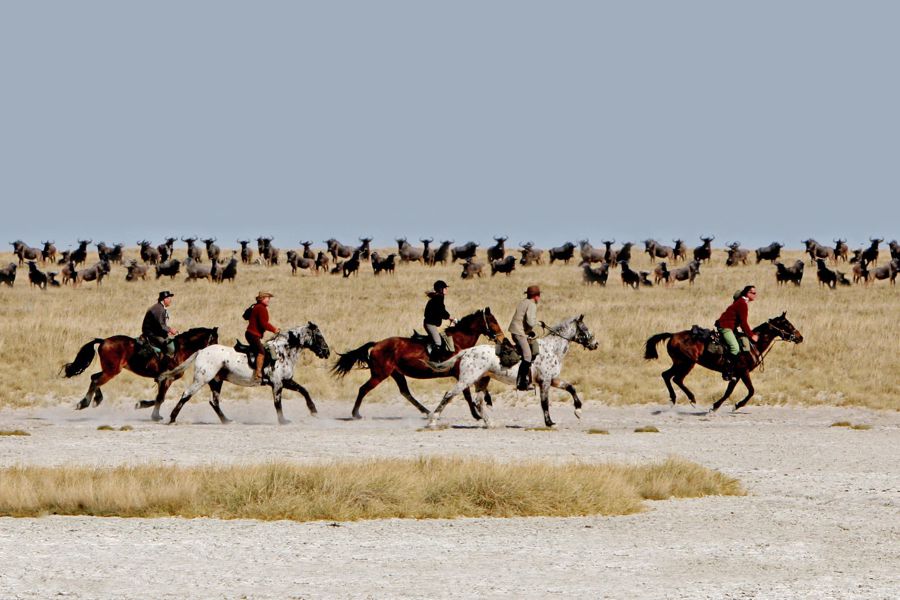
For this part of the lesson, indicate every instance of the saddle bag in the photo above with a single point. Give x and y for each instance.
(507, 353)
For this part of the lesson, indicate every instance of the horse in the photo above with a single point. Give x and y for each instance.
(479, 364)
(401, 357)
(120, 351)
(216, 364)
(686, 351)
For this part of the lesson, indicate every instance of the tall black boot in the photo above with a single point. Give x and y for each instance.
(523, 380)
(730, 365)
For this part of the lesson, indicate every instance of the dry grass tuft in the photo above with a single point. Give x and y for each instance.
(126, 428)
(542, 428)
(841, 424)
(647, 429)
(593, 431)
(105, 428)
(13, 432)
(391, 488)
(861, 427)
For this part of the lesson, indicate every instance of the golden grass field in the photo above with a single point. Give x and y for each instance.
(849, 356)
(426, 488)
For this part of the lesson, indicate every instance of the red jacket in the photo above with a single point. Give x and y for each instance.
(259, 321)
(736, 315)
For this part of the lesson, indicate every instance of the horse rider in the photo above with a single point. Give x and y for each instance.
(155, 328)
(435, 313)
(735, 316)
(522, 330)
(258, 324)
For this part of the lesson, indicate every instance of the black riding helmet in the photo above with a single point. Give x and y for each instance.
(440, 284)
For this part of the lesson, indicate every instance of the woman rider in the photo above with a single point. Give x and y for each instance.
(735, 316)
(435, 313)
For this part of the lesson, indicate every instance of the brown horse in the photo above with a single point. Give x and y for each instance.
(120, 352)
(401, 357)
(687, 351)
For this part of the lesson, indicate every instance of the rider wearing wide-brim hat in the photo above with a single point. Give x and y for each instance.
(521, 328)
(435, 314)
(257, 325)
(155, 327)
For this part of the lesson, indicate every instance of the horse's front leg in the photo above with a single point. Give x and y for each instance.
(565, 385)
(436, 413)
(290, 384)
(215, 386)
(276, 394)
(473, 408)
(161, 388)
(545, 403)
(192, 389)
(749, 384)
(724, 397)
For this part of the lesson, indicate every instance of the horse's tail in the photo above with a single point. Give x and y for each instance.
(347, 361)
(83, 359)
(650, 347)
(179, 369)
(443, 366)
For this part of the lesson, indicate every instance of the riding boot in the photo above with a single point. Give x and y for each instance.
(257, 375)
(730, 366)
(523, 380)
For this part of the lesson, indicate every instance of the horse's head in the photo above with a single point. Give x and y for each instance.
(784, 329)
(198, 337)
(309, 336)
(583, 334)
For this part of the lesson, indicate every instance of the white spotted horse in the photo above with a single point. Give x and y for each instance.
(217, 364)
(478, 365)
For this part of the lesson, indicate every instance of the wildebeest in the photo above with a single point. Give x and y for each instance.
(337, 249)
(870, 254)
(471, 269)
(24, 251)
(116, 254)
(842, 278)
(826, 276)
(166, 249)
(364, 250)
(68, 273)
(48, 252)
(610, 256)
(247, 251)
(888, 271)
(351, 265)
(645, 279)
(65, 255)
(8, 274)
(338, 268)
(386, 264)
(736, 254)
(229, 271)
(504, 265)
(407, 253)
(212, 250)
(841, 250)
(772, 252)
(531, 255)
(464, 252)
(427, 251)
(817, 251)
(498, 250)
(895, 249)
(196, 271)
(51, 279)
(268, 254)
(656, 250)
(103, 250)
(629, 276)
(95, 272)
(79, 254)
(442, 254)
(589, 253)
(148, 253)
(624, 252)
(136, 271)
(193, 251)
(861, 272)
(563, 253)
(703, 252)
(36, 277)
(590, 276)
(300, 262)
(793, 274)
(687, 273)
(661, 273)
(307, 250)
(679, 252)
(322, 262)
(171, 268)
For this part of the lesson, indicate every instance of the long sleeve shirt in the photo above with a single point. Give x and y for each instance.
(259, 320)
(736, 315)
(525, 319)
(156, 321)
(435, 312)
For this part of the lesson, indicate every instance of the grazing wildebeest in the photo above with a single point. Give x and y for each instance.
(736, 254)
(8, 274)
(841, 249)
(471, 269)
(589, 253)
(563, 253)
(826, 276)
(148, 253)
(772, 252)
(407, 253)
(95, 272)
(216, 364)
(629, 276)
(337, 249)
(861, 272)
(386, 264)
(661, 273)
(442, 254)
(498, 250)
(136, 271)
(365, 251)
(297, 261)
(464, 252)
(687, 273)
(794, 273)
(531, 255)
(351, 265)
(592, 276)
(895, 249)
(48, 252)
(247, 251)
(679, 252)
(171, 268)
(504, 265)
(477, 366)
(871, 253)
(212, 250)
(888, 271)
(68, 273)
(609, 255)
(193, 251)
(36, 277)
(197, 271)
(688, 350)
(400, 357)
(229, 271)
(656, 250)
(24, 251)
(121, 352)
(79, 254)
(322, 262)
(703, 252)
(817, 251)
(166, 249)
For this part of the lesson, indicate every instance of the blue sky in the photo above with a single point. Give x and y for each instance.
(547, 121)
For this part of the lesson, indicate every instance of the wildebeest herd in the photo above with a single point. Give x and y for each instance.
(676, 263)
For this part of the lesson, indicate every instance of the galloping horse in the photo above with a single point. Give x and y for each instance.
(478, 365)
(120, 352)
(687, 351)
(400, 357)
(216, 364)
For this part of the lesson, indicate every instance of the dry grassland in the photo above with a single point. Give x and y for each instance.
(391, 488)
(849, 357)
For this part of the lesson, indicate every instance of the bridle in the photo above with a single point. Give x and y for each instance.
(574, 338)
(783, 336)
(487, 327)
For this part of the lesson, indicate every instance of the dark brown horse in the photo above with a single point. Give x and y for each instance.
(401, 357)
(120, 352)
(687, 351)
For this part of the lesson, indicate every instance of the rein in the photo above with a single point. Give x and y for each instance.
(762, 356)
(551, 331)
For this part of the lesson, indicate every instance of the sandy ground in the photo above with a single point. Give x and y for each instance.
(822, 518)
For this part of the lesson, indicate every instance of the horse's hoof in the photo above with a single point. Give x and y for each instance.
(284, 421)
(227, 421)
(357, 416)
(81, 405)
(156, 418)
(578, 412)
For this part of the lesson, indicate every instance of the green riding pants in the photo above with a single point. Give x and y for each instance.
(731, 341)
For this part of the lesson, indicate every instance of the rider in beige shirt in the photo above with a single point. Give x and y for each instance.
(522, 330)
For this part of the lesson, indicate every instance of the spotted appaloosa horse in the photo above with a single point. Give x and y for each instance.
(479, 364)
(217, 364)
(687, 351)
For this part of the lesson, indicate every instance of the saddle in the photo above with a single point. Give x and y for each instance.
(711, 339)
(449, 347)
(250, 353)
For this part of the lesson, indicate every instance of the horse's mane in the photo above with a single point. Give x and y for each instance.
(465, 320)
(194, 331)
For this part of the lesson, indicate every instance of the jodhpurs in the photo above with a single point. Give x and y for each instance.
(523, 345)
(731, 341)
(435, 333)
